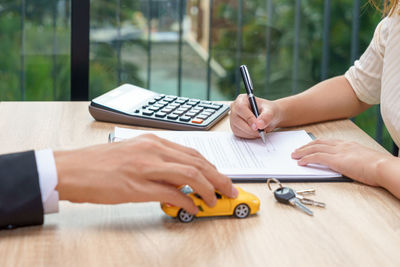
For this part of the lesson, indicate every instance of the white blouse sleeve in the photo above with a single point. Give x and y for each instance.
(365, 75)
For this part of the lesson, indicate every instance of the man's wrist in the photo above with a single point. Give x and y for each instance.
(69, 170)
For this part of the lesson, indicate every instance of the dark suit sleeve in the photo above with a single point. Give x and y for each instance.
(20, 198)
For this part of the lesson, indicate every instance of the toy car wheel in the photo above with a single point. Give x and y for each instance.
(184, 216)
(242, 211)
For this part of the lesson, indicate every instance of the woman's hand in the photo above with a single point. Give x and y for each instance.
(146, 168)
(245, 124)
(349, 158)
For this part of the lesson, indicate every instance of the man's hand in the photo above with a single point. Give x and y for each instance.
(146, 168)
(243, 122)
(349, 158)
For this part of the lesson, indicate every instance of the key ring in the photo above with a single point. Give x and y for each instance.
(273, 180)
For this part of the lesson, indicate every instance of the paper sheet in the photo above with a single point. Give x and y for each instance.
(243, 158)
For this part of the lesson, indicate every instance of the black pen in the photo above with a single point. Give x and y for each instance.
(249, 90)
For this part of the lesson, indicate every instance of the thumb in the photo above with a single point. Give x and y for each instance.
(265, 118)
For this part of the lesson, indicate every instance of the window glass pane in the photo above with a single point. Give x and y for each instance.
(118, 47)
(35, 37)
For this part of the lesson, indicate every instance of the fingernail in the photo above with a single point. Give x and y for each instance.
(235, 192)
(254, 127)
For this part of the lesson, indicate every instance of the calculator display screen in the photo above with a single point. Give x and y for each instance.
(124, 100)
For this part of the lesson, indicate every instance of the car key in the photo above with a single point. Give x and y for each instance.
(286, 195)
(308, 201)
(310, 191)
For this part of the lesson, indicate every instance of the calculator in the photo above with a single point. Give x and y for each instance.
(129, 104)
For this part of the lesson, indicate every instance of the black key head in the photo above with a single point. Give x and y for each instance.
(284, 194)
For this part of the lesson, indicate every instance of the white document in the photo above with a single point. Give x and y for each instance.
(242, 158)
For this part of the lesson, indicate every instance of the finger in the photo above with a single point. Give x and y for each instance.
(170, 194)
(241, 108)
(266, 118)
(330, 142)
(178, 174)
(178, 147)
(241, 129)
(321, 158)
(218, 180)
(313, 148)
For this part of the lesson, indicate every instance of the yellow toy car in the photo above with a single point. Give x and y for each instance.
(241, 207)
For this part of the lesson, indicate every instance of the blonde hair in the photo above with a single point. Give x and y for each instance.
(389, 6)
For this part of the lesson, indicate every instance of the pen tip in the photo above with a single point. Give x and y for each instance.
(262, 134)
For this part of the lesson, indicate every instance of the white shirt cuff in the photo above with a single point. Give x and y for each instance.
(48, 179)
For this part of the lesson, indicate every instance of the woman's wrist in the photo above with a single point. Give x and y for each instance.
(386, 168)
(281, 109)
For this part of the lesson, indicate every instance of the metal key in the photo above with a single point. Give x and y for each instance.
(310, 191)
(286, 195)
(308, 201)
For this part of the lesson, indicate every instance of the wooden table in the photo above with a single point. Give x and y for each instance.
(360, 226)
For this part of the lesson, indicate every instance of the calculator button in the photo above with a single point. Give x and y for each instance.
(198, 121)
(136, 111)
(210, 111)
(190, 103)
(179, 112)
(172, 116)
(191, 114)
(158, 105)
(194, 110)
(153, 108)
(159, 97)
(197, 109)
(182, 109)
(160, 114)
(168, 99)
(203, 117)
(162, 102)
(173, 105)
(172, 97)
(206, 113)
(218, 105)
(151, 102)
(206, 102)
(147, 112)
(145, 106)
(172, 108)
(186, 106)
(184, 118)
(209, 106)
(180, 101)
(166, 110)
